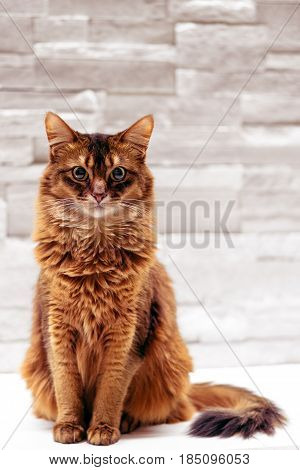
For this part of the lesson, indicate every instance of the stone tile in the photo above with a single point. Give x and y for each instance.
(283, 62)
(16, 151)
(191, 82)
(238, 322)
(11, 39)
(204, 178)
(58, 28)
(16, 69)
(29, 7)
(113, 76)
(19, 175)
(18, 275)
(220, 47)
(271, 178)
(85, 101)
(270, 210)
(131, 31)
(110, 10)
(210, 11)
(20, 207)
(275, 18)
(270, 109)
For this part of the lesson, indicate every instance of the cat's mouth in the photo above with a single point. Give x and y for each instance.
(99, 209)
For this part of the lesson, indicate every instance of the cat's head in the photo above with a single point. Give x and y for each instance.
(96, 174)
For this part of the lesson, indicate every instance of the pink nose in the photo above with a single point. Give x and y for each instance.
(99, 195)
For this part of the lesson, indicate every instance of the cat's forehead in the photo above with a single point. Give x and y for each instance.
(96, 150)
(90, 150)
(99, 152)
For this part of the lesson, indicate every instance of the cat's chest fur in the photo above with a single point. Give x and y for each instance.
(93, 304)
(93, 283)
(93, 292)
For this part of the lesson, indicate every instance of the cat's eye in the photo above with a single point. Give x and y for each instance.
(80, 173)
(118, 173)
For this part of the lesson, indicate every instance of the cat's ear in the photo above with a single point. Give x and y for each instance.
(138, 135)
(58, 132)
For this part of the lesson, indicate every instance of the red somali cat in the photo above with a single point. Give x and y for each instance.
(106, 355)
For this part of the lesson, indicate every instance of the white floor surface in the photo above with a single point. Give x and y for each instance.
(21, 430)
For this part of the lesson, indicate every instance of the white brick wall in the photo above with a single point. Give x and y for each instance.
(185, 61)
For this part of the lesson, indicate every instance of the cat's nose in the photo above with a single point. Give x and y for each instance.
(99, 195)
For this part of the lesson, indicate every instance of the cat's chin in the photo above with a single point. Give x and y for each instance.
(98, 211)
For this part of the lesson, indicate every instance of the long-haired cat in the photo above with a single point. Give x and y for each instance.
(106, 354)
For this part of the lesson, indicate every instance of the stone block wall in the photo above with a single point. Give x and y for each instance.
(222, 78)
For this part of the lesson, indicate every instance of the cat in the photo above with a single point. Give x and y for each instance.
(106, 355)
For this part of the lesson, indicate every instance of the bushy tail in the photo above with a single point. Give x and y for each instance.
(229, 411)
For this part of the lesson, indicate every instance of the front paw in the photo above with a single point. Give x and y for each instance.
(103, 435)
(68, 433)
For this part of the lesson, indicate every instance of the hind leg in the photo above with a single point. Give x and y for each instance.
(165, 409)
(158, 391)
(37, 376)
(36, 373)
(128, 423)
(44, 405)
(183, 411)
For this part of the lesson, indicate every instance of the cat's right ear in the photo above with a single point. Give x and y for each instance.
(58, 132)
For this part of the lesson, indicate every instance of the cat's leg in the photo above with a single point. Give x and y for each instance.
(128, 423)
(158, 392)
(150, 400)
(35, 371)
(119, 366)
(160, 388)
(182, 411)
(69, 426)
(35, 368)
(106, 430)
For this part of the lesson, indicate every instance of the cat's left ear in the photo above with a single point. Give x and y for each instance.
(138, 135)
(58, 132)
